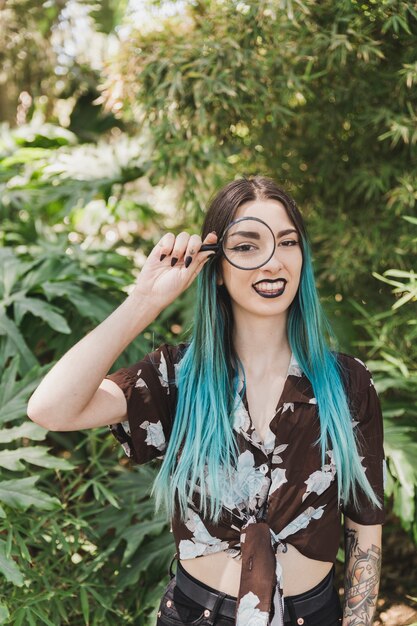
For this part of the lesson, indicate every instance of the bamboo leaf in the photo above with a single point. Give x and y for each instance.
(85, 605)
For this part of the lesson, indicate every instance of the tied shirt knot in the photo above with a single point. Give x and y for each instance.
(261, 576)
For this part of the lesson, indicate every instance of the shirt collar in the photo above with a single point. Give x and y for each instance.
(297, 387)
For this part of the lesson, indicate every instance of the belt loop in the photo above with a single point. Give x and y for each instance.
(170, 572)
(213, 613)
(291, 611)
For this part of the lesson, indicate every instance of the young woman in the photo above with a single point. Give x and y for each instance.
(267, 435)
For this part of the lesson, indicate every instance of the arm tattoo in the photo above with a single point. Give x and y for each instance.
(362, 573)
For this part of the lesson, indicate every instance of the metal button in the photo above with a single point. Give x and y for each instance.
(300, 620)
(206, 613)
(264, 468)
(169, 603)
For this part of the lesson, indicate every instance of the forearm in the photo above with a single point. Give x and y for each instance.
(362, 573)
(75, 378)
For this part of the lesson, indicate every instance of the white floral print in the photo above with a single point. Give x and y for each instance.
(262, 469)
(320, 480)
(155, 435)
(140, 382)
(202, 542)
(248, 614)
(276, 454)
(278, 479)
(126, 427)
(361, 362)
(241, 417)
(294, 368)
(163, 372)
(247, 485)
(301, 521)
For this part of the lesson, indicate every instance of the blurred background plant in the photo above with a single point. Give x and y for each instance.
(118, 122)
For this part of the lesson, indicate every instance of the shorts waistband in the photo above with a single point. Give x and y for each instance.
(224, 605)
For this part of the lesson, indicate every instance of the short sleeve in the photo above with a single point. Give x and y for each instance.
(150, 391)
(368, 425)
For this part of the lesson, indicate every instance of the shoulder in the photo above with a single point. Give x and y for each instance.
(164, 361)
(172, 352)
(355, 372)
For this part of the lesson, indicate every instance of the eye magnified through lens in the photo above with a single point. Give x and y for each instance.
(247, 243)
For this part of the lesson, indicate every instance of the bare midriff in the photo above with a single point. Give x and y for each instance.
(222, 572)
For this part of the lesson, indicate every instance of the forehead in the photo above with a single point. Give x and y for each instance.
(270, 211)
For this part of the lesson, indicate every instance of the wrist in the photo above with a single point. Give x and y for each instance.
(143, 306)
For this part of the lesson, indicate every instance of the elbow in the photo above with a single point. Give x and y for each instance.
(51, 418)
(39, 414)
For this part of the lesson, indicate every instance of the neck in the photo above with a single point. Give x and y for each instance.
(262, 344)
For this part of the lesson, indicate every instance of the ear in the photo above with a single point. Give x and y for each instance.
(219, 279)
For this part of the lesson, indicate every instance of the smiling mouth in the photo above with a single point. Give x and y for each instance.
(270, 289)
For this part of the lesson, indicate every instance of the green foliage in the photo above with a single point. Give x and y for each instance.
(320, 95)
(83, 549)
(391, 339)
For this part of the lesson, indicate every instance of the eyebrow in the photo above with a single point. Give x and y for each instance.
(255, 235)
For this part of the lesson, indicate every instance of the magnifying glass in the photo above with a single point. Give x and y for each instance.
(247, 243)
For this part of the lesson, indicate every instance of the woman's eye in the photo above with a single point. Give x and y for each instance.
(289, 242)
(244, 247)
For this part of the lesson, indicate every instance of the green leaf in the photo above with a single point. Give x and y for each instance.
(14, 394)
(85, 605)
(9, 328)
(4, 613)
(137, 533)
(108, 495)
(37, 455)
(28, 429)
(158, 550)
(11, 267)
(41, 309)
(9, 568)
(21, 493)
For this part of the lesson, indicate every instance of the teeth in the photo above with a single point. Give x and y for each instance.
(270, 287)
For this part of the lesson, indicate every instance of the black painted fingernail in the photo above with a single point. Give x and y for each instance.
(173, 261)
(162, 257)
(188, 260)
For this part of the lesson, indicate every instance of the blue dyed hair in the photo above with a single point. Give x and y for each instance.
(202, 440)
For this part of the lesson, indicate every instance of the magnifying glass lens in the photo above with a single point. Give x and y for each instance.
(248, 244)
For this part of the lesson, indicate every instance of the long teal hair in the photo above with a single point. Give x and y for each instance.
(202, 449)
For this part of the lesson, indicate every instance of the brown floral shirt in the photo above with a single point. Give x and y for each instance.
(281, 492)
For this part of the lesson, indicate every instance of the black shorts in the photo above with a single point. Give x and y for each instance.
(177, 609)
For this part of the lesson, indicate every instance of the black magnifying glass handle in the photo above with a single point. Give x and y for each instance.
(209, 246)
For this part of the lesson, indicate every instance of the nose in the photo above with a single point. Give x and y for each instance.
(275, 262)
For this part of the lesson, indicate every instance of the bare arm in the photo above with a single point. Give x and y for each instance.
(60, 401)
(362, 573)
(73, 395)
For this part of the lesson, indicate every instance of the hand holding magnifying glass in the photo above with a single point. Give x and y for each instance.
(247, 243)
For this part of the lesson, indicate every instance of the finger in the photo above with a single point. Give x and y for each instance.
(211, 238)
(180, 246)
(194, 244)
(163, 247)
